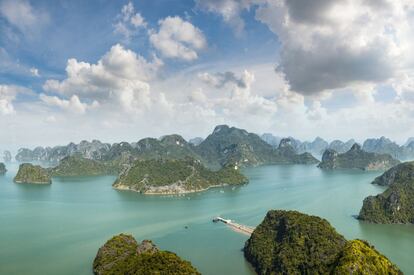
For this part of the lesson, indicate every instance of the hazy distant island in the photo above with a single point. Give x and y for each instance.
(123, 255)
(318, 146)
(175, 177)
(3, 169)
(289, 242)
(34, 174)
(7, 157)
(356, 158)
(396, 204)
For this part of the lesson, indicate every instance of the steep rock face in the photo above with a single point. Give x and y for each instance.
(175, 176)
(399, 173)
(383, 145)
(359, 257)
(356, 158)
(316, 147)
(289, 242)
(329, 159)
(3, 169)
(340, 146)
(287, 154)
(271, 139)
(396, 204)
(7, 157)
(235, 144)
(123, 255)
(29, 173)
(196, 141)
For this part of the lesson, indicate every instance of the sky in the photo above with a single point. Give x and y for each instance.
(124, 70)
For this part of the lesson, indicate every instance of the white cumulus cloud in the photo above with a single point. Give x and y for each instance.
(177, 38)
(129, 21)
(120, 76)
(73, 104)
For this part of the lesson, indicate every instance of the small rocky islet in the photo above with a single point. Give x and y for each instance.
(290, 242)
(123, 255)
(33, 174)
(356, 158)
(68, 167)
(396, 203)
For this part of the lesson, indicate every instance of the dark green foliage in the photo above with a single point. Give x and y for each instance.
(78, 166)
(190, 175)
(168, 147)
(396, 204)
(356, 158)
(123, 255)
(2, 168)
(359, 257)
(116, 256)
(289, 242)
(29, 173)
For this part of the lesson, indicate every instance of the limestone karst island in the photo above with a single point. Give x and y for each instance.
(215, 137)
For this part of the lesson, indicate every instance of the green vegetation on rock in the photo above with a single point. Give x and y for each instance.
(159, 176)
(289, 242)
(79, 166)
(123, 255)
(356, 158)
(396, 204)
(359, 257)
(3, 169)
(29, 173)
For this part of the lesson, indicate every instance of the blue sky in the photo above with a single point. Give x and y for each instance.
(123, 70)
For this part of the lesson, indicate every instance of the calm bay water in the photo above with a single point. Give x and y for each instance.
(58, 229)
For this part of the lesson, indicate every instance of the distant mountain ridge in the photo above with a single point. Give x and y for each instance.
(380, 145)
(226, 145)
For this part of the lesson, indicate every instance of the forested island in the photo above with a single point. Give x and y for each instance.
(396, 204)
(289, 242)
(356, 158)
(175, 177)
(123, 255)
(34, 174)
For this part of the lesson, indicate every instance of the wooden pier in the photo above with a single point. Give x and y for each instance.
(247, 230)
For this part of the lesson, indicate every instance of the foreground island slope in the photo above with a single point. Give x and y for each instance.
(356, 158)
(34, 174)
(123, 255)
(396, 204)
(175, 177)
(289, 242)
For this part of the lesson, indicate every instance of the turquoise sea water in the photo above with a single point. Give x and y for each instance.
(58, 228)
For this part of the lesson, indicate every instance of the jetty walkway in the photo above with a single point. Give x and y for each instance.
(235, 226)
